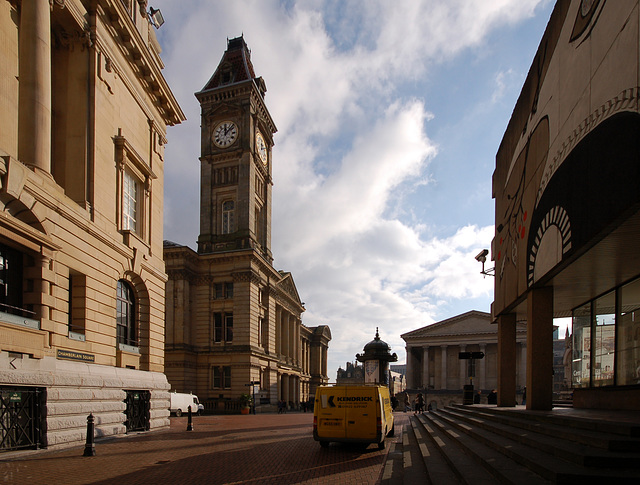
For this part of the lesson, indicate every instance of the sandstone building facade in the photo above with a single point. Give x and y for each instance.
(85, 111)
(568, 209)
(434, 367)
(232, 319)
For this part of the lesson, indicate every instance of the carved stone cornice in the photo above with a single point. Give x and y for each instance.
(181, 274)
(138, 53)
(246, 276)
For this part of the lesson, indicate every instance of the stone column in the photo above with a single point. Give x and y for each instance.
(443, 371)
(522, 376)
(34, 92)
(303, 364)
(292, 338)
(409, 370)
(42, 290)
(324, 361)
(285, 334)
(507, 360)
(285, 387)
(425, 367)
(482, 368)
(463, 367)
(278, 330)
(298, 343)
(540, 345)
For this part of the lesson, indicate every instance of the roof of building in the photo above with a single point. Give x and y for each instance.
(234, 67)
(470, 323)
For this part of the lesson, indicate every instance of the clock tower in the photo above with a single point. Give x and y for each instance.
(232, 319)
(236, 139)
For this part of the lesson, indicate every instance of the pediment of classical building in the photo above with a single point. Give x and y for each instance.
(287, 286)
(470, 323)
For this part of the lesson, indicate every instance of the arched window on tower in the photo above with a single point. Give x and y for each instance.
(125, 315)
(228, 216)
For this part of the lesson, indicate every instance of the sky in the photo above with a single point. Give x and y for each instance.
(389, 116)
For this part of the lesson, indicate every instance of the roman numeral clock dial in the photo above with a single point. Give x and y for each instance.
(261, 148)
(225, 134)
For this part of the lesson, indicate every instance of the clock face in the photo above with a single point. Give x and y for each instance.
(261, 147)
(225, 134)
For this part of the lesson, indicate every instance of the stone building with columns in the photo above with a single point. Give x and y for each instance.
(232, 318)
(85, 112)
(432, 357)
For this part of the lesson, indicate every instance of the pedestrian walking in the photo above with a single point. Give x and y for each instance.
(419, 404)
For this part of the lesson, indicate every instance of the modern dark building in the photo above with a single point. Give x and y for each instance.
(568, 210)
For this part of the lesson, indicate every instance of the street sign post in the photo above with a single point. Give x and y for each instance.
(467, 396)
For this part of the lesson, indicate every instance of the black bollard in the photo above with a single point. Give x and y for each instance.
(89, 447)
(189, 425)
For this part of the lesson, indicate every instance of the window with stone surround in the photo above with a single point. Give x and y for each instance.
(130, 199)
(77, 305)
(126, 315)
(228, 216)
(221, 377)
(263, 332)
(223, 327)
(11, 283)
(223, 291)
(134, 184)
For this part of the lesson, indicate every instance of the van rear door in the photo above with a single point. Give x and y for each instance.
(330, 415)
(361, 412)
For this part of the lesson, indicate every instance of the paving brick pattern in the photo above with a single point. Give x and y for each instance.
(254, 449)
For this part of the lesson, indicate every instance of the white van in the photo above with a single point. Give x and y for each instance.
(180, 403)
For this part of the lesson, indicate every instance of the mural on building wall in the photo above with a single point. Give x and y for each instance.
(513, 227)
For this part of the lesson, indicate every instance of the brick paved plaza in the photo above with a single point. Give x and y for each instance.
(267, 448)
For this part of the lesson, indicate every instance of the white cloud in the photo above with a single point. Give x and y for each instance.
(345, 88)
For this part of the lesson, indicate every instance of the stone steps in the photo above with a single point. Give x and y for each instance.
(482, 463)
(570, 433)
(487, 445)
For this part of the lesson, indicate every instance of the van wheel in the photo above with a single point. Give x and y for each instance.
(178, 412)
(324, 444)
(393, 430)
(381, 445)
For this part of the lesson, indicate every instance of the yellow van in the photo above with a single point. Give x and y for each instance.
(352, 414)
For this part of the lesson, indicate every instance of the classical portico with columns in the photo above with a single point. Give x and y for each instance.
(432, 357)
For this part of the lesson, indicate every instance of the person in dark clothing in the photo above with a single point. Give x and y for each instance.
(419, 404)
(492, 398)
(477, 397)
